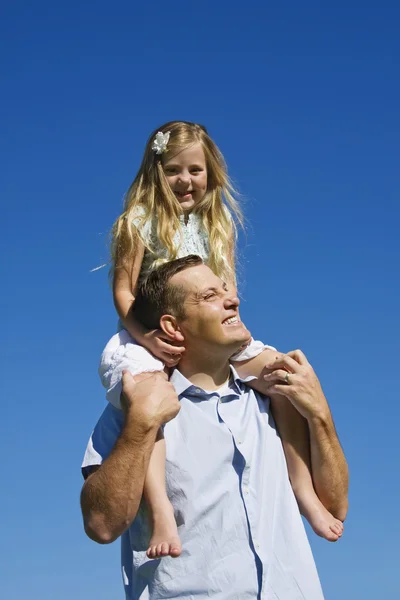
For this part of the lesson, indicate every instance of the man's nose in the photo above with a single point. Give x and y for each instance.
(231, 300)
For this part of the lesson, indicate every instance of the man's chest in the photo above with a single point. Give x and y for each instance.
(214, 441)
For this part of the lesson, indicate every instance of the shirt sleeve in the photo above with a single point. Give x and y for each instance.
(103, 438)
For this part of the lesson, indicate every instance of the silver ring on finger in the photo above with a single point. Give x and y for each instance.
(287, 378)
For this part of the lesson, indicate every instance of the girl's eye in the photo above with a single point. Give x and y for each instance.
(170, 171)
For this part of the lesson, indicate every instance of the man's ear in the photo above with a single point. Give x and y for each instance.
(170, 327)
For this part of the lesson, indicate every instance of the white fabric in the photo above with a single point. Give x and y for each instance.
(123, 353)
(251, 351)
(240, 526)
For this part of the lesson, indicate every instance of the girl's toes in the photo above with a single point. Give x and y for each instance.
(151, 552)
(336, 529)
(164, 549)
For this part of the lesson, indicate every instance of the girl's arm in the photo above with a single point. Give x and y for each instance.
(125, 284)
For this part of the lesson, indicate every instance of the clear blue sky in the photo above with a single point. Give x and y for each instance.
(303, 99)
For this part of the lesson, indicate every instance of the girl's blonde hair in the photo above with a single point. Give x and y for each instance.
(151, 192)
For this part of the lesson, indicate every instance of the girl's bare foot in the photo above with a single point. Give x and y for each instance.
(165, 539)
(323, 522)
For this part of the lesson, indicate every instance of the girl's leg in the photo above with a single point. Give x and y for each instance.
(165, 539)
(293, 430)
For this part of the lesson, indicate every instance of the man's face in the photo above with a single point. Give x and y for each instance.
(211, 311)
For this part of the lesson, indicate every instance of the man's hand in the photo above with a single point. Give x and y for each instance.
(292, 376)
(148, 400)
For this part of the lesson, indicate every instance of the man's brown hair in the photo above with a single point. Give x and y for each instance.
(156, 297)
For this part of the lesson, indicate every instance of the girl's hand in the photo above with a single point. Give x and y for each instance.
(158, 344)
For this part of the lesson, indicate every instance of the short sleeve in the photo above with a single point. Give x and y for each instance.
(103, 438)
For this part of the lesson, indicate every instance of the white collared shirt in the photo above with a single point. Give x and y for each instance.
(241, 530)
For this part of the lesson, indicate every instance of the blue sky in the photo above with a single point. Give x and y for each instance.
(302, 98)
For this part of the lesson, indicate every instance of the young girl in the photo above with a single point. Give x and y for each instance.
(181, 202)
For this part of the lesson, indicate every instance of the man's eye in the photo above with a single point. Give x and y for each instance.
(210, 296)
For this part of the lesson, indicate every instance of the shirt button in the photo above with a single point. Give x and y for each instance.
(256, 544)
(240, 442)
(198, 391)
(246, 490)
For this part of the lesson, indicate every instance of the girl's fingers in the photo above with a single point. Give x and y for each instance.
(171, 359)
(176, 349)
(173, 351)
(166, 346)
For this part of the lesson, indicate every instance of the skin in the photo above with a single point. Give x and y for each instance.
(186, 173)
(111, 495)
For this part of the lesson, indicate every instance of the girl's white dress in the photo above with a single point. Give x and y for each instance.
(122, 352)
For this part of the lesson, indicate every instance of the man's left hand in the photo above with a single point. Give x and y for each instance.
(292, 376)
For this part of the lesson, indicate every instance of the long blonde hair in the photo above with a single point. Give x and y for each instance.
(150, 191)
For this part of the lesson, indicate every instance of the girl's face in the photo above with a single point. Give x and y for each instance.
(186, 173)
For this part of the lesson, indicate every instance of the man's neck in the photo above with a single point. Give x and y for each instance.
(207, 372)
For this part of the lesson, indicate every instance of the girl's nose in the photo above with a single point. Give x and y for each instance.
(184, 178)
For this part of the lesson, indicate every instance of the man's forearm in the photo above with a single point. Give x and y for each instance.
(111, 495)
(329, 466)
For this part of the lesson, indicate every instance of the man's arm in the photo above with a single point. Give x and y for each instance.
(111, 495)
(293, 377)
(328, 465)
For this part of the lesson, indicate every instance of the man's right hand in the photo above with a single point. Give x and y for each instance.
(148, 400)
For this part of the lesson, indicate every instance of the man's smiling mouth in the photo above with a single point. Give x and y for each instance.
(231, 321)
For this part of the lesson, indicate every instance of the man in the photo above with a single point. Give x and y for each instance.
(241, 530)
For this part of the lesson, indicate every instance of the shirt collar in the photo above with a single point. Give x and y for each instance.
(181, 384)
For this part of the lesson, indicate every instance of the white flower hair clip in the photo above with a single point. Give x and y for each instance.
(160, 142)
